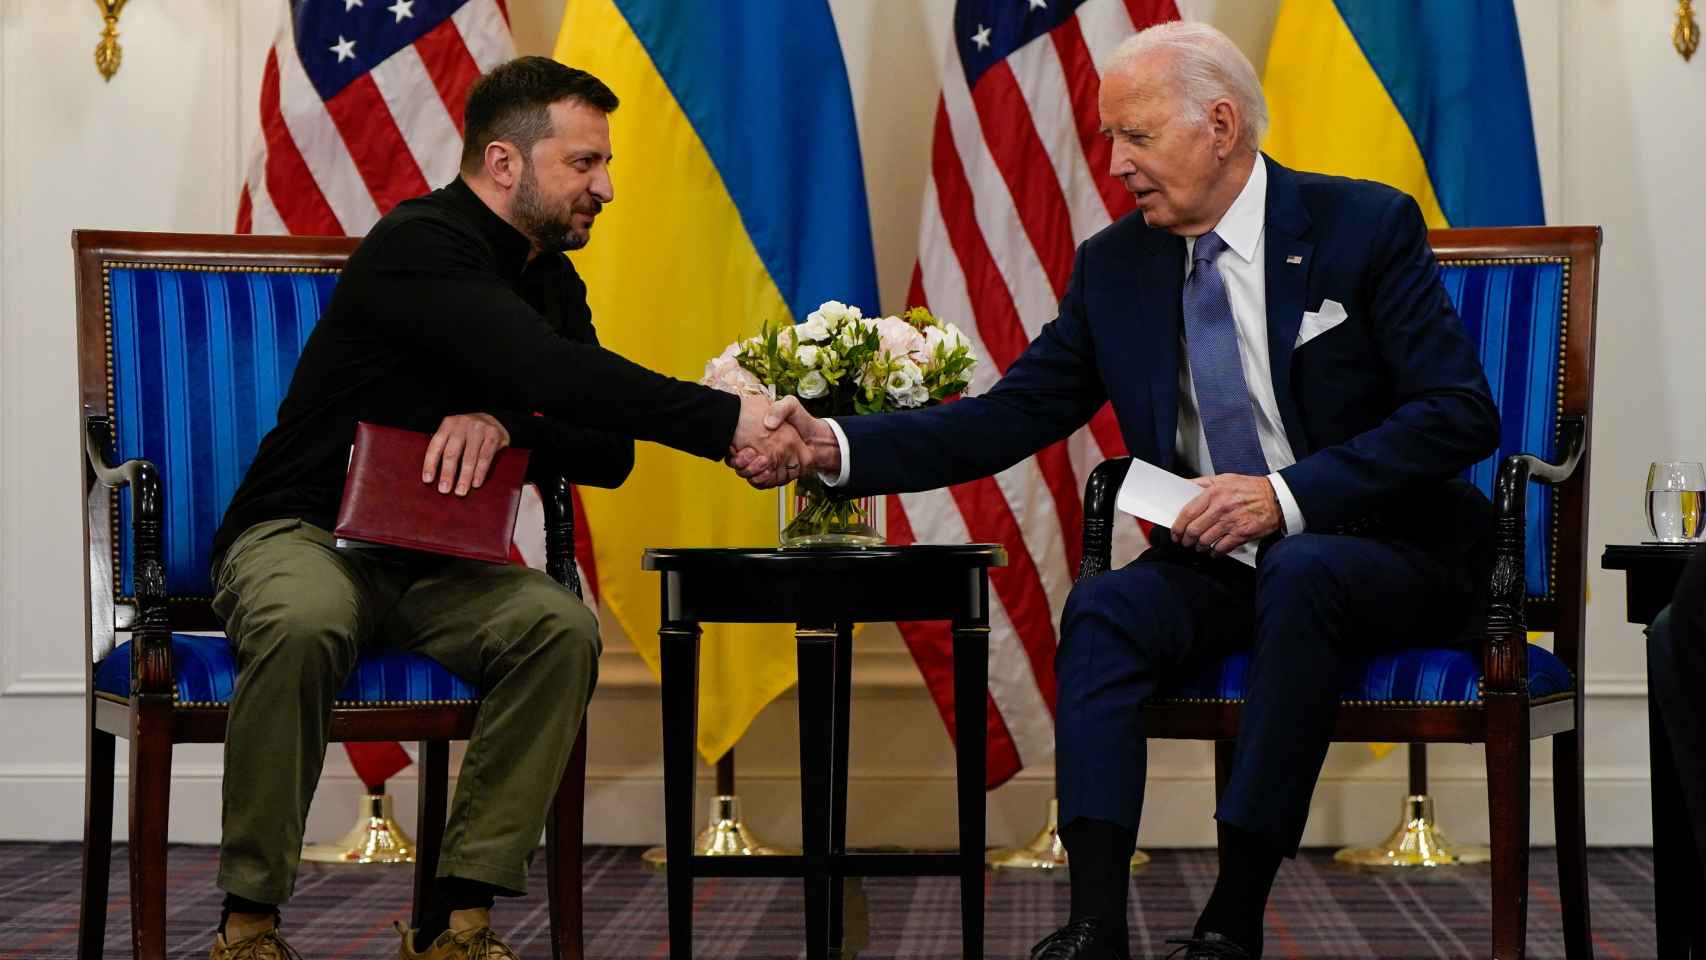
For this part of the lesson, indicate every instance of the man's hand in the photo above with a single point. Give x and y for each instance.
(819, 451)
(765, 451)
(462, 450)
(1231, 511)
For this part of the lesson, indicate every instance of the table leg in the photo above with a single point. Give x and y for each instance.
(815, 648)
(838, 801)
(971, 727)
(678, 644)
(1676, 866)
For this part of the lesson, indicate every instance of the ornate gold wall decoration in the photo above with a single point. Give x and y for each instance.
(1685, 36)
(108, 54)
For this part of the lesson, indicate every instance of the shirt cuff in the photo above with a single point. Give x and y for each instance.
(1288, 505)
(846, 463)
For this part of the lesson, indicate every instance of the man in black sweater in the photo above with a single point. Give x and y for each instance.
(456, 316)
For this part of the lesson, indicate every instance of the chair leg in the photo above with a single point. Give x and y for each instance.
(150, 808)
(1569, 811)
(429, 825)
(97, 839)
(1507, 808)
(564, 834)
(1223, 753)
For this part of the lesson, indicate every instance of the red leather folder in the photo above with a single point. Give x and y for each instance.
(386, 503)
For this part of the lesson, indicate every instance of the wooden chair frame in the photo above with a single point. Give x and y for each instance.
(1505, 719)
(150, 717)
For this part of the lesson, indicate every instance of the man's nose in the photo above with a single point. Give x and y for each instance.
(603, 188)
(1119, 161)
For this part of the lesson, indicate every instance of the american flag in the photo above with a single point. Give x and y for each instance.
(361, 107)
(1018, 177)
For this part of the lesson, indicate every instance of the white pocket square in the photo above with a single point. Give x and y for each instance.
(1331, 314)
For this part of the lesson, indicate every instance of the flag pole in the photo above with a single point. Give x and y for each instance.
(376, 838)
(1417, 841)
(726, 833)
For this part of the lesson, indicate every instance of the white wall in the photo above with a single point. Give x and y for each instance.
(161, 147)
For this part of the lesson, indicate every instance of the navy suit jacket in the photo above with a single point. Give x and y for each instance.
(1383, 411)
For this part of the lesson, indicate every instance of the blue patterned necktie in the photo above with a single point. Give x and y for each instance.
(1211, 343)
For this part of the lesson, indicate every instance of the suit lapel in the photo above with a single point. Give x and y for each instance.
(1161, 282)
(1289, 259)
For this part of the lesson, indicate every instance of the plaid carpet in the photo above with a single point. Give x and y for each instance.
(1318, 910)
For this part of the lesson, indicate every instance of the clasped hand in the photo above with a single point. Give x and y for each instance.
(1232, 510)
(775, 443)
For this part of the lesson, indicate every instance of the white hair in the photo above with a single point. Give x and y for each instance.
(1206, 66)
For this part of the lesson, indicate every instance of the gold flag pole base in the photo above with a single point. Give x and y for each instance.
(376, 838)
(1044, 851)
(727, 835)
(1416, 842)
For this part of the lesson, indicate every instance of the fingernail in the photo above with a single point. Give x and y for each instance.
(444, 488)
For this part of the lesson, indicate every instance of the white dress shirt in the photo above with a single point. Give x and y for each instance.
(1245, 276)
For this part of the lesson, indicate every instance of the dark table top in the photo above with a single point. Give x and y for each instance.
(1624, 556)
(821, 585)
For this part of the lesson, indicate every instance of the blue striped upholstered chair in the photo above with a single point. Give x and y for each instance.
(1527, 296)
(186, 346)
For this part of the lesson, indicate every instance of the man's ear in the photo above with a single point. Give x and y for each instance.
(503, 163)
(1224, 122)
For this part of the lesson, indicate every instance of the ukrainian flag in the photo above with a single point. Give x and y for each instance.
(740, 197)
(1428, 96)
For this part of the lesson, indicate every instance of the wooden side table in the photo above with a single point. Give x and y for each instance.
(1678, 887)
(824, 593)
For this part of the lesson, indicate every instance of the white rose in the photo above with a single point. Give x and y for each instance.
(813, 385)
(955, 338)
(815, 328)
(919, 396)
(836, 312)
(901, 382)
(932, 337)
(806, 355)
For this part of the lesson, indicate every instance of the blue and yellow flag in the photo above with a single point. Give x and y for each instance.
(1428, 96)
(740, 197)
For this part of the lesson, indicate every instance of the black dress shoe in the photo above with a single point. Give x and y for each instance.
(1084, 939)
(1210, 946)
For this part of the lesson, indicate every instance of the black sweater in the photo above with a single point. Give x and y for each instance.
(439, 312)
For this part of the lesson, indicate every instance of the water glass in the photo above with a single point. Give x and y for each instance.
(1675, 492)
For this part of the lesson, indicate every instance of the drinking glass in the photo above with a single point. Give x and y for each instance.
(1675, 492)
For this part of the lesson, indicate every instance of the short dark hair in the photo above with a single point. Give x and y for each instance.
(513, 103)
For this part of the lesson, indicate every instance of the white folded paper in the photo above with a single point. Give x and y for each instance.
(1151, 493)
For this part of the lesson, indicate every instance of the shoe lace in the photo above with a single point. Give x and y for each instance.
(1218, 949)
(1065, 943)
(483, 943)
(273, 944)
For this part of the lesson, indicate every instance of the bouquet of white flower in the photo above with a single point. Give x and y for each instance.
(840, 363)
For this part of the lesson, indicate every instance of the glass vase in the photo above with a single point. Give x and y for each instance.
(814, 515)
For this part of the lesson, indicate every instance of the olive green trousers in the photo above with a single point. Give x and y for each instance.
(298, 611)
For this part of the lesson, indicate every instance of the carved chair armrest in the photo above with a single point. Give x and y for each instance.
(151, 668)
(558, 500)
(1505, 649)
(1099, 493)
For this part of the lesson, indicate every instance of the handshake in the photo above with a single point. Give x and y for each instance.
(776, 442)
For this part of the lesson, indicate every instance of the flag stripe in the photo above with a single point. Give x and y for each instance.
(451, 65)
(377, 147)
(434, 136)
(484, 27)
(302, 208)
(1042, 82)
(321, 147)
(1079, 77)
(1035, 191)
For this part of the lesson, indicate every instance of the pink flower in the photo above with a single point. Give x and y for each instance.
(900, 339)
(725, 373)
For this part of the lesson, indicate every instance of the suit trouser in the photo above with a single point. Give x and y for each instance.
(298, 612)
(1315, 604)
(1676, 678)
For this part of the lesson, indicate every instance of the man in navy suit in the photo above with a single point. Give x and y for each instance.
(1282, 338)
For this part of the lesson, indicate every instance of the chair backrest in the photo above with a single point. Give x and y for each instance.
(1527, 296)
(187, 343)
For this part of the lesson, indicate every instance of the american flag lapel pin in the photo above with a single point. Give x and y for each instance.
(1294, 258)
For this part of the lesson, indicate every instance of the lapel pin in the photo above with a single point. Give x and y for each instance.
(1294, 258)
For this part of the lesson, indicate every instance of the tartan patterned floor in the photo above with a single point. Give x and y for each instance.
(1318, 911)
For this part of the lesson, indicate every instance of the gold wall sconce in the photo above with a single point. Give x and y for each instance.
(1685, 36)
(108, 54)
